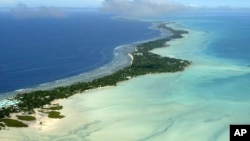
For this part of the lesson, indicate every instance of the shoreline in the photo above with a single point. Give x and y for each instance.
(142, 62)
(132, 58)
(121, 59)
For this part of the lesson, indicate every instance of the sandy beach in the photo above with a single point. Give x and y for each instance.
(132, 58)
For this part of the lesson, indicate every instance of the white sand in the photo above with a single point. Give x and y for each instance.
(132, 58)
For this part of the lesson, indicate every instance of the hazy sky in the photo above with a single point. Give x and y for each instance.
(98, 3)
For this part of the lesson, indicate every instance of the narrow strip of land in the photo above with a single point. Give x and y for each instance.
(143, 62)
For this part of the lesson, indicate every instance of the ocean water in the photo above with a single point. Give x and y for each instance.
(35, 51)
(228, 40)
(197, 104)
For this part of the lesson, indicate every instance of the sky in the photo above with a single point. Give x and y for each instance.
(98, 3)
(125, 8)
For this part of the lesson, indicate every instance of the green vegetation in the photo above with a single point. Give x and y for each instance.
(13, 123)
(176, 33)
(5, 111)
(56, 107)
(2, 125)
(55, 114)
(144, 62)
(26, 118)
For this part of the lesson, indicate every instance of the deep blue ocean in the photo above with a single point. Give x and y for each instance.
(34, 51)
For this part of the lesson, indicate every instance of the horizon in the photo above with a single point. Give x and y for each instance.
(136, 9)
(101, 3)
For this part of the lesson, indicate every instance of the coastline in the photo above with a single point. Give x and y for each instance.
(91, 104)
(146, 63)
(121, 59)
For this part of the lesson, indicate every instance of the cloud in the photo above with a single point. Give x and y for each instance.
(22, 11)
(142, 8)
